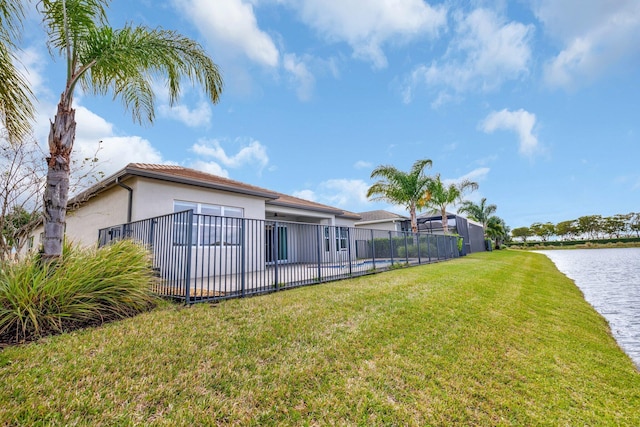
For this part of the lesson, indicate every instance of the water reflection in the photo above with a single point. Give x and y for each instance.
(610, 281)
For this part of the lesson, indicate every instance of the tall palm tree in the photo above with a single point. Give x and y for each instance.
(401, 188)
(480, 212)
(16, 109)
(439, 196)
(101, 59)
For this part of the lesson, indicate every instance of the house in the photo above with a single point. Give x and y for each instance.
(471, 231)
(382, 220)
(428, 222)
(213, 237)
(140, 191)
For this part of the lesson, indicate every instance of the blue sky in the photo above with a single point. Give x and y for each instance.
(536, 100)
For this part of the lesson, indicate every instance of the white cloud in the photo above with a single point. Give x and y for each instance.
(231, 27)
(475, 175)
(344, 192)
(199, 116)
(522, 122)
(484, 53)
(305, 194)
(597, 36)
(252, 153)
(34, 64)
(361, 164)
(367, 25)
(300, 75)
(350, 194)
(210, 167)
(94, 136)
(91, 126)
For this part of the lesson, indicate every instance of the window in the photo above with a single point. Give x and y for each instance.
(212, 224)
(342, 236)
(327, 241)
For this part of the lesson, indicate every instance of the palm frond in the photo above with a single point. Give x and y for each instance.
(125, 61)
(16, 108)
(69, 22)
(11, 16)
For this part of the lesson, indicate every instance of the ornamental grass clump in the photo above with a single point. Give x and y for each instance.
(87, 287)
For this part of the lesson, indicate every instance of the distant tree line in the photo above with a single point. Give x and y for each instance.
(591, 227)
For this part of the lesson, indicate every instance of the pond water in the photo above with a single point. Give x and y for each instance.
(610, 282)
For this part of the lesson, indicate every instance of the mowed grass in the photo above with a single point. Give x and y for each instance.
(491, 339)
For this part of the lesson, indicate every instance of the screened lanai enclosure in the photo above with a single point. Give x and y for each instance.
(202, 257)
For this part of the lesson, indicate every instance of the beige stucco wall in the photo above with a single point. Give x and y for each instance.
(345, 222)
(109, 208)
(153, 198)
(150, 198)
(384, 226)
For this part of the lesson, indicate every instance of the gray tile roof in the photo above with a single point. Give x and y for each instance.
(380, 215)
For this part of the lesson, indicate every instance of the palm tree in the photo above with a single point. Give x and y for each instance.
(438, 196)
(401, 188)
(478, 212)
(101, 59)
(16, 109)
(497, 230)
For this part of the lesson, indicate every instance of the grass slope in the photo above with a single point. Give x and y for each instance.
(496, 338)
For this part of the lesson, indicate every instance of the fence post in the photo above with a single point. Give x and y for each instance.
(319, 250)
(276, 252)
(243, 257)
(373, 250)
(187, 270)
(417, 237)
(349, 249)
(152, 229)
(406, 249)
(454, 246)
(391, 247)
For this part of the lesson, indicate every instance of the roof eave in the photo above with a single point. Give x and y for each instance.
(305, 207)
(129, 171)
(188, 181)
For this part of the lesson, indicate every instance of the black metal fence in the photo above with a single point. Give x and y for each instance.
(202, 257)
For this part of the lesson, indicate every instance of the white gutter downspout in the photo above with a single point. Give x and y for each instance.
(130, 203)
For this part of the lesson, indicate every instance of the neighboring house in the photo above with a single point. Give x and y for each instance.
(383, 220)
(428, 222)
(472, 232)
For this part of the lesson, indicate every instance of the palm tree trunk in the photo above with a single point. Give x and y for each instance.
(445, 221)
(414, 219)
(61, 138)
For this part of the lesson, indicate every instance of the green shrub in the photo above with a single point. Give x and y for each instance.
(86, 287)
(426, 249)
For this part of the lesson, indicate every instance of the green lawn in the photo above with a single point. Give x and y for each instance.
(497, 338)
